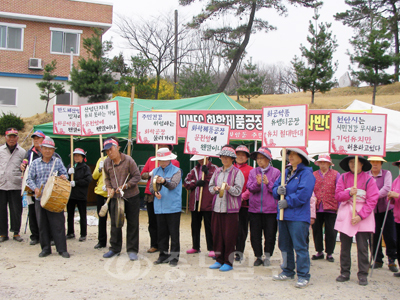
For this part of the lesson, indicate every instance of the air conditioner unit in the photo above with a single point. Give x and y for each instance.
(35, 64)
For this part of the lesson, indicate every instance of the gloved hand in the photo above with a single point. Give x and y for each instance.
(101, 166)
(72, 183)
(104, 188)
(281, 190)
(204, 169)
(71, 171)
(282, 204)
(200, 183)
(150, 173)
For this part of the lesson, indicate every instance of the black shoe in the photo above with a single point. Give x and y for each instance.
(3, 238)
(363, 281)
(99, 246)
(377, 265)
(316, 257)
(342, 278)
(162, 260)
(82, 238)
(64, 254)
(330, 258)
(396, 274)
(70, 236)
(173, 263)
(258, 262)
(238, 257)
(44, 254)
(17, 238)
(33, 242)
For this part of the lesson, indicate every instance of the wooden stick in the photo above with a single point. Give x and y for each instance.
(282, 179)
(131, 121)
(201, 188)
(156, 161)
(102, 157)
(72, 156)
(355, 184)
(187, 201)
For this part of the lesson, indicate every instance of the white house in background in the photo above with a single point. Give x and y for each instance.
(345, 80)
(32, 34)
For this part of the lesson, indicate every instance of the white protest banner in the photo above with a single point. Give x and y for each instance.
(157, 127)
(205, 139)
(358, 134)
(285, 126)
(66, 120)
(100, 118)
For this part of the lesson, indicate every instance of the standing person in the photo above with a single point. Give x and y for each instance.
(101, 196)
(262, 206)
(326, 208)
(79, 191)
(383, 180)
(394, 196)
(242, 156)
(51, 224)
(225, 217)
(193, 182)
(167, 206)
(149, 198)
(363, 224)
(11, 156)
(121, 177)
(294, 228)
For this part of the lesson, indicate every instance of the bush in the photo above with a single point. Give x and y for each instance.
(10, 120)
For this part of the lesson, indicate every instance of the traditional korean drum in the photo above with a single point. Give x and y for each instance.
(55, 194)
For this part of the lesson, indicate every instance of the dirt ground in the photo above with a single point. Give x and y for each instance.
(87, 275)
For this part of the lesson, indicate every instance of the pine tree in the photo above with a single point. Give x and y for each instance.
(48, 88)
(91, 78)
(251, 82)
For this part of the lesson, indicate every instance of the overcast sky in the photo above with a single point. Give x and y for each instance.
(270, 48)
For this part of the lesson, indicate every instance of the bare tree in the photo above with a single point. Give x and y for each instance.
(278, 79)
(155, 38)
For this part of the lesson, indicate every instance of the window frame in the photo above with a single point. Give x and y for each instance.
(14, 25)
(16, 96)
(64, 30)
(66, 92)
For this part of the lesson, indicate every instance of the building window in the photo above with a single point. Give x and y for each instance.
(8, 96)
(11, 36)
(63, 99)
(62, 40)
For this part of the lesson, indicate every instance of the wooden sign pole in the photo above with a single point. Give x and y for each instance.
(201, 188)
(355, 184)
(131, 121)
(102, 156)
(283, 179)
(156, 161)
(72, 156)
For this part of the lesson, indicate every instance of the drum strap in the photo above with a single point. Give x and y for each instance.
(52, 168)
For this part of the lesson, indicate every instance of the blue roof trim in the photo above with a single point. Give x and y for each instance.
(5, 74)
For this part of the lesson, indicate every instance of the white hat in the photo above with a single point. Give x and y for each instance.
(197, 157)
(164, 154)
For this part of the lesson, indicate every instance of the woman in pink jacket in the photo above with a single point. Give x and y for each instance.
(363, 223)
(394, 195)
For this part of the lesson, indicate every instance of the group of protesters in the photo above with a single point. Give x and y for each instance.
(226, 199)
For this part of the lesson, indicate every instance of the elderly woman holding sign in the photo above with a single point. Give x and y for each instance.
(293, 229)
(226, 185)
(361, 226)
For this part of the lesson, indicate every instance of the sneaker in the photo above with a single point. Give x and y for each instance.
(17, 238)
(192, 251)
(226, 268)
(132, 256)
(342, 278)
(363, 281)
(211, 254)
(392, 265)
(318, 256)
(3, 238)
(282, 277)
(258, 262)
(302, 283)
(110, 254)
(215, 265)
(152, 250)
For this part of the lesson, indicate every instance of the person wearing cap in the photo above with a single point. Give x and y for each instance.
(149, 197)
(383, 180)
(32, 154)
(79, 191)
(394, 197)
(242, 156)
(326, 208)
(167, 206)
(121, 178)
(51, 224)
(11, 156)
(226, 205)
(193, 183)
(294, 228)
(363, 224)
(101, 198)
(262, 206)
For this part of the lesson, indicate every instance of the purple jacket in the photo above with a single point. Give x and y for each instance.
(261, 199)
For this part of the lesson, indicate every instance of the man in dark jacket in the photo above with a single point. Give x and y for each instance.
(80, 185)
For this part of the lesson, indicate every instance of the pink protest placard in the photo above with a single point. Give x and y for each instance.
(358, 134)
(157, 127)
(205, 139)
(66, 120)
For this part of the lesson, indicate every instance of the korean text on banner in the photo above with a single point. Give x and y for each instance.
(66, 120)
(285, 126)
(358, 134)
(100, 118)
(206, 139)
(157, 127)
